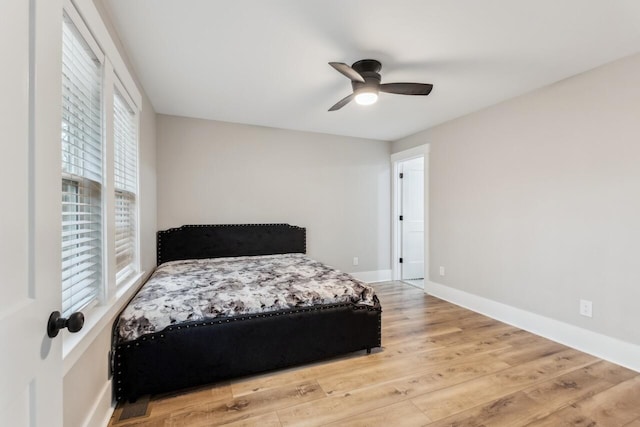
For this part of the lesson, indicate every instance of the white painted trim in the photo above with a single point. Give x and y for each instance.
(102, 409)
(411, 153)
(92, 18)
(74, 345)
(373, 276)
(602, 346)
(395, 226)
(84, 31)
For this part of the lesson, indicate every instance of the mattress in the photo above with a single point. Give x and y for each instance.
(193, 290)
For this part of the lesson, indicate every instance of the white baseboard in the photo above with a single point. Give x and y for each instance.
(102, 409)
(602, 346)
(373, 276)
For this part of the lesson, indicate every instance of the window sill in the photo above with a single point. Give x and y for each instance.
(99, 317)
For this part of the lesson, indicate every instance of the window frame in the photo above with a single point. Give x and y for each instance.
(82, 181)
(99, 315)
(120, 90)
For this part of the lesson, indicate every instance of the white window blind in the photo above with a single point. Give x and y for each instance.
(125, 178)
(81, 171)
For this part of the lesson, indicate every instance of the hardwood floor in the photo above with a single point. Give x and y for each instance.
(441, 365)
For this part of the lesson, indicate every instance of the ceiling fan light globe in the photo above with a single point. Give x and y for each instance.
(366, 98)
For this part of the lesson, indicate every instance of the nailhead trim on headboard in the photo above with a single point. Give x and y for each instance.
(172, 231)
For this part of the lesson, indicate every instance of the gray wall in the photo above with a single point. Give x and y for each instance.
(337, 187)
(535, 202)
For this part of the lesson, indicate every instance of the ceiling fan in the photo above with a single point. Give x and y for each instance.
(365, 80)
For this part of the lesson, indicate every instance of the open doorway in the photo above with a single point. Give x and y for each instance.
(409, 219)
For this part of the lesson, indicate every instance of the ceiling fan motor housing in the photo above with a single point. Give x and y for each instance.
(369, 70)
(367, 65)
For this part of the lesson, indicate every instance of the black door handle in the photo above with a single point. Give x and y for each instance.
(56, 322)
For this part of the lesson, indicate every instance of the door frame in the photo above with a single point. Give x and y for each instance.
(396, 235)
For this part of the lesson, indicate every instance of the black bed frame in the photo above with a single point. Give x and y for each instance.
(197, 353)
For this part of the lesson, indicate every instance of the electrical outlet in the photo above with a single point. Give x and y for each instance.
(586, 308)
(355, 260)
(441, 270)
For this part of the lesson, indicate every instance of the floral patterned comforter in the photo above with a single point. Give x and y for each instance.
(192, 290)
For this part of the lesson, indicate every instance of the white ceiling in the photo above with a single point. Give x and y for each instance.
(264, 62)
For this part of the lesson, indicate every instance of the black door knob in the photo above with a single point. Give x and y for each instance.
(56, 322)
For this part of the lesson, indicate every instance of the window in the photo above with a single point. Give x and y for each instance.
(82, 224)
(99, 146)
(125, 174)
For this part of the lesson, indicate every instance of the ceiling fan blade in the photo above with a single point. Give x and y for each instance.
(352, 74)
(407, 88)
(344, 101)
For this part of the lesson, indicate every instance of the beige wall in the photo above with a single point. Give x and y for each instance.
(147, 197)
(87, 385)
(337, 187)
(535, 202)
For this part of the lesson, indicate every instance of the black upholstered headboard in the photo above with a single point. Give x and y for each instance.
(224, 240)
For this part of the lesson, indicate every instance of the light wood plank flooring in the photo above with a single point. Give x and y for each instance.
(441, 365)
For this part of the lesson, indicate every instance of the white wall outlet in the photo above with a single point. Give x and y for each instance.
(441, 270)
(355, 260)
(586, 308)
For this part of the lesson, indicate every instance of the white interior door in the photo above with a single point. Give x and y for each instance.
(31, 365)
(412, 224)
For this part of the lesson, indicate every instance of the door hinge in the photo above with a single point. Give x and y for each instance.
(401, 217)
(401, 175)
(400, 260)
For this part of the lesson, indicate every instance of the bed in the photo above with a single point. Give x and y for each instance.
(290, 317)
